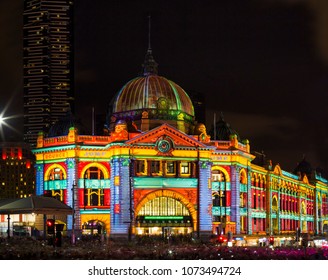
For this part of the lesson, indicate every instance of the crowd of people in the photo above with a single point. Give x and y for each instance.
(27, 248)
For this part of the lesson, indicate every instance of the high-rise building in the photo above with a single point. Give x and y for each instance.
(48, 64)
(17, 174)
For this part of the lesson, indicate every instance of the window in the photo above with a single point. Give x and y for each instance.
(164, 206)
(219, 199)
(155, 167)
(94, 197)
(218, 176)
(242, 200)
(94, 173)
(170, 168)
(56, 174)
(140, 167)
(185, 168)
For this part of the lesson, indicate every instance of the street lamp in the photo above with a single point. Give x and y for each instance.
(4, 123)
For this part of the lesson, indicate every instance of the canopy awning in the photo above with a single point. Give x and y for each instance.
(37, 205)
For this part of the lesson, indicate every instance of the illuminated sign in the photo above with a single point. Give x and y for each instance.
(93, 154)
(55, 155)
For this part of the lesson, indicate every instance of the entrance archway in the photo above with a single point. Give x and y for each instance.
(165, 213)
(93, 227)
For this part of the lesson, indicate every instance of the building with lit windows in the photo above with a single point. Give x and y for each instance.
(155, 171)
(17, 176)
(48, 64)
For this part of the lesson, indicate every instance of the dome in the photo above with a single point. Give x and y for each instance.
(303, 167)
(62, 126)
(151, 100)
(223, 130)
(152, 92)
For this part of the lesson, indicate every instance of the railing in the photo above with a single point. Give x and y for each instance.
(53, 141)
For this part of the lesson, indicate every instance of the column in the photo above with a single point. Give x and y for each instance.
(71, 193)
(120, 198)
(39, 180)
(204, 201)
(249, 203)
(235, 195)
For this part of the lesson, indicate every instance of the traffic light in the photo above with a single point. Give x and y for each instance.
(220, 239)
(271, 240)
(50, 226)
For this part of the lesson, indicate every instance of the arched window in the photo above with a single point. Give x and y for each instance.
(164, 206)
(55, 174)
(218, 176)
(219, 196)
(274, 204)
(93, 195)
(243, 177)
(94, 173)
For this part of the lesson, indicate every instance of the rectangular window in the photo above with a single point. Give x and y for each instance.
(155, 167)
(170, 168)
(185, 168)
(141, 167)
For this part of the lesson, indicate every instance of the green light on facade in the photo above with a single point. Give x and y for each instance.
(163, 217)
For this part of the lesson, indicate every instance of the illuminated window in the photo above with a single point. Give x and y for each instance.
(185, 168)
(218, 176)
(93, 196)
(56, 174)
(94, 173)
(242, 201)
(164, 206)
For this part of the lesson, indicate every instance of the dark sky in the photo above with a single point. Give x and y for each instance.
(263, 63)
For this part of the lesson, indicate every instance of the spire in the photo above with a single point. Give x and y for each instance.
(221, 117)
(150, 65)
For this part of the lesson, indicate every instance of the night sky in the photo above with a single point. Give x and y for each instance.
(263, 63)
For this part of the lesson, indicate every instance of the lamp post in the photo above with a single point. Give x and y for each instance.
(8, 230)
(73, 218)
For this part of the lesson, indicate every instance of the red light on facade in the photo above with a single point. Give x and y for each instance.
(117, 208)
(19, 153)
(28, 164)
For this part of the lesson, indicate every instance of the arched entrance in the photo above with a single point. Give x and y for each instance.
(165, 213)
(93, 227)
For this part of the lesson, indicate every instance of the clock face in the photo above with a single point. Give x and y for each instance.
(164, 146)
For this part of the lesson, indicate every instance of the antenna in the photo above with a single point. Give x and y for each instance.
(214, 125)
(149, 22)
(93, 120)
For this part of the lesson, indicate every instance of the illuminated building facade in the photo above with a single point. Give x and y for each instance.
(157, 172)
(48, 64)
(17, 176)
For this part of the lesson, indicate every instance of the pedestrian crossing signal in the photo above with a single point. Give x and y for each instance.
(50, 226)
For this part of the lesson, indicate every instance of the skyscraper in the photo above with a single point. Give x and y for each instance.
(48, 64)
(17, 174)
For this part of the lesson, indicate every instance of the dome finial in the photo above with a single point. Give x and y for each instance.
(149, 65)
